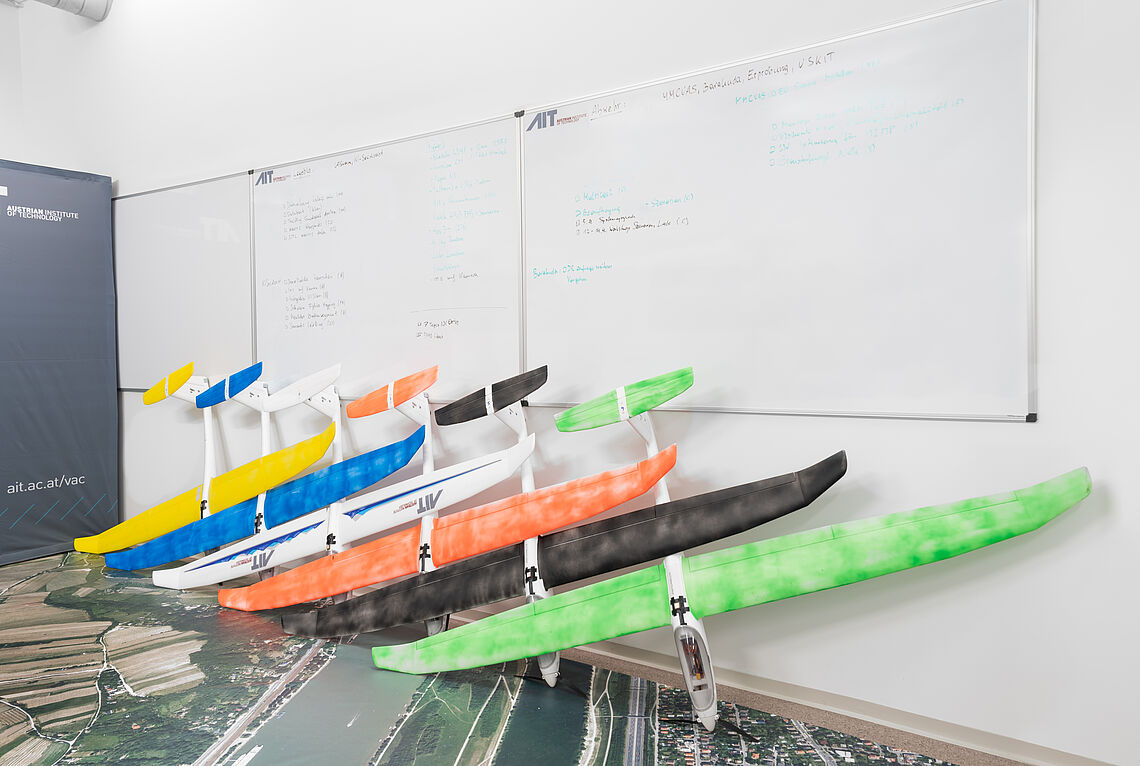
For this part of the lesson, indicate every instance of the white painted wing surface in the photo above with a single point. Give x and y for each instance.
(300, 390)
(294, 393)
(391, 506)
(290, 541)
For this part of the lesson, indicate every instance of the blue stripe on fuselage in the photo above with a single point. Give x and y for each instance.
(365, 509)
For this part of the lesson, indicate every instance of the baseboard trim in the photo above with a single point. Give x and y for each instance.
(981, 742)
(951, 742)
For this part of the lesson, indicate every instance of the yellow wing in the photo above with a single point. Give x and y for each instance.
(175, 512)
(256, 477)
(230, 488)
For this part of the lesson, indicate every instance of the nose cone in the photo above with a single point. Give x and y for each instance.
(548, 666)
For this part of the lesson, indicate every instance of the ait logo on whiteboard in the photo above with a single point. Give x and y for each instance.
(542, 120)
(549, 119)
(270, 177)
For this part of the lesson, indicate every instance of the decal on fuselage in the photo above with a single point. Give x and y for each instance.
(428, 502)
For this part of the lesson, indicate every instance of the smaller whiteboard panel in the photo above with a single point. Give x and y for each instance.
(845, 228)
(392, 259)
(182, 274)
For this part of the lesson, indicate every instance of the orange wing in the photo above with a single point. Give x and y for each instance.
(467, 533)
(510, 521)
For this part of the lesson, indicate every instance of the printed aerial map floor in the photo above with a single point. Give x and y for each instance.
(99, 666)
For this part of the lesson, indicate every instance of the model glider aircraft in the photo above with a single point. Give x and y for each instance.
(288, 540)
(573, 554)
(282, 503)
(183, 384)
(501, 399)
(735, 578)
(358, 518)
(289, 501)
(453, 537)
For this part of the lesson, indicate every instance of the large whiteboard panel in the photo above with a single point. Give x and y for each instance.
(844, 228)
(392, 259)
(182, 275)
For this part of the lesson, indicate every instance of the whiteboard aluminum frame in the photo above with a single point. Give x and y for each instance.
(250, 181)
(172, 187)
(521, 191)
(1031, 198)
(1031, 224)
(393, 141)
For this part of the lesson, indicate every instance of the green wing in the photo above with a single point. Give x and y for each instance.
(841, 554)
(639, 397)
(742, 576)
(616, 607)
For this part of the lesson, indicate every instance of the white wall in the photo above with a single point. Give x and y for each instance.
(10, 83)
(1033, 639)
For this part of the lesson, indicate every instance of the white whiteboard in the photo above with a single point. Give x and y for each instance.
(182, 277)
(844, 228)
(392, 259)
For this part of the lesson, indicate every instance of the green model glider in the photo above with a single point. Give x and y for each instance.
(746, 575)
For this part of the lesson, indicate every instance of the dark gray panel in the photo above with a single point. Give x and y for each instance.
(58, 401)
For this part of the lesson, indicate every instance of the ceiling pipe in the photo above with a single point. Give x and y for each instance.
(96, 10)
